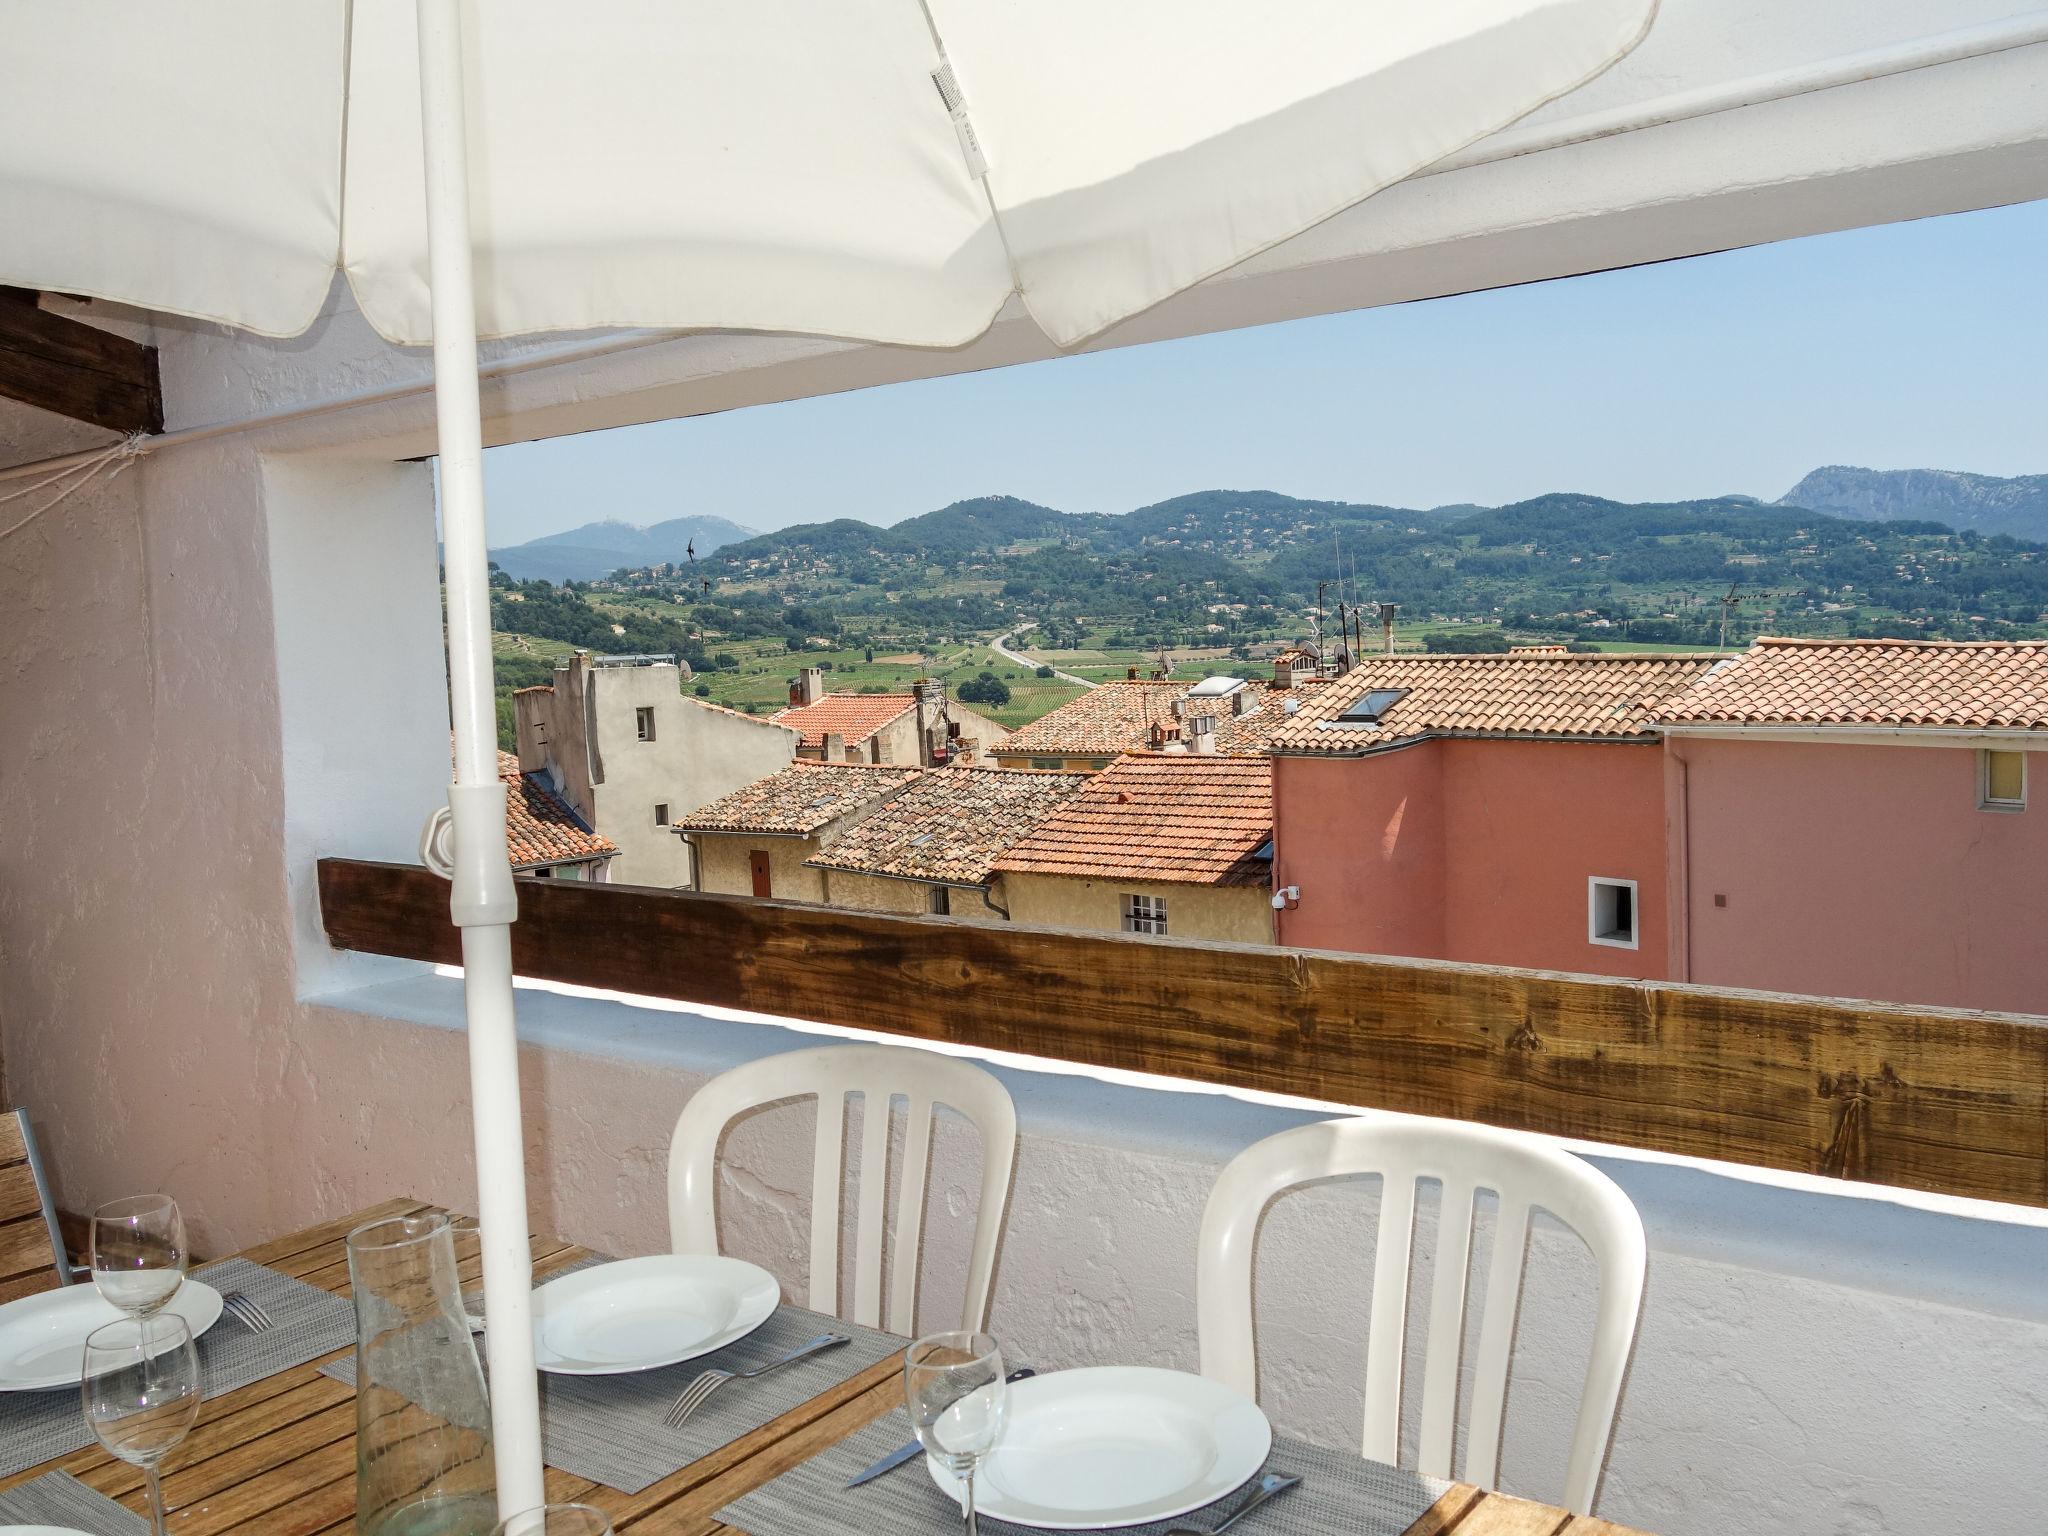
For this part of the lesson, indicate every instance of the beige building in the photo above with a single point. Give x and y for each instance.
(923, 728)
(617, 738)
(757, 841)
(933, 847)
(1160, 843)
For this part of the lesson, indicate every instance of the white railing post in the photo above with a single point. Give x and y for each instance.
(483, 901)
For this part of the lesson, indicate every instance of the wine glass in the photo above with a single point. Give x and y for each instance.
(953, 1384)
(138, 1252)
(141, 1392)
(558, 1520)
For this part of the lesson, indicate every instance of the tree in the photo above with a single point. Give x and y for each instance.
(986, 689)
(703, 690)
(1045, 672)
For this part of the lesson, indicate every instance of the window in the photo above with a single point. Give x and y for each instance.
(643, 722)
(1611, 912)
(1367, 710)
(2001, 781)
(661, 814)
(1055, 764)
(1144, 914)
(942, 901)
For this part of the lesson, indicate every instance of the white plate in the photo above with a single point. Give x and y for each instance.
(42, 1337)
(1115, 1445)
(640, 1314)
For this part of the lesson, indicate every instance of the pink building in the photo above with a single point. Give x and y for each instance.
(1851, 818)
(1507, 810)
(1835, 818)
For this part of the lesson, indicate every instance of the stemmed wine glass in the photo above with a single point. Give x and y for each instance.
(953, 1384)
(141, 1393)
(558, 1520)
(138, 1253)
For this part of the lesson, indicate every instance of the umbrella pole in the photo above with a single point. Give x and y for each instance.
(483, 902)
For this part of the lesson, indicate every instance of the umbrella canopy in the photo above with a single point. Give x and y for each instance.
(888, 170)
(744, 165)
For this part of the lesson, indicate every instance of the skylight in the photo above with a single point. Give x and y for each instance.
(1215, 687)
(1368, 710)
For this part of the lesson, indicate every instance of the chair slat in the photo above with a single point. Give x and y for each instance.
(825, 1182)
(1446, 1330)
(1496, 1341)
(1387, 1336)
(910, 1197)
(875, 1110)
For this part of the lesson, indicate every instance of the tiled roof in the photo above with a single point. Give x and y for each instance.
(1191, 819)
(1958, 685)
(800, 798)
(856, 716)
(1604, 697)
(1119, 717)
(951, 825)
(536, 688)
(541, 827)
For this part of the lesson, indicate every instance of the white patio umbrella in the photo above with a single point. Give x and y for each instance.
(886, 170)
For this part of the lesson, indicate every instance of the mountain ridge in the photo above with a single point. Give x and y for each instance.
(1988, 504)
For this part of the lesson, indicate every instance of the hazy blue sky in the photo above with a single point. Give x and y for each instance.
(1911, 345)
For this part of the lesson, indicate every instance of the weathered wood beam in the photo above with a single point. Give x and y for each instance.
(1923, 1098)
(76, 370)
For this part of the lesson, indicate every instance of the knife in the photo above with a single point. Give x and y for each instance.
(915, 1448)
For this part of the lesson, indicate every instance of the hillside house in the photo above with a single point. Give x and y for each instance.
(923, 728)
(618, 739)
(933, 848)
(757, 841)
(1158, 843)
(1862, 818)
(1497, 809)
(543, 833)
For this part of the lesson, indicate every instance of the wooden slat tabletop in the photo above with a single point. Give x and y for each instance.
(278, 1456)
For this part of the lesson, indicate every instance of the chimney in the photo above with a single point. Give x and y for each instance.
(796, 694)
(1242, 702)
(835, 747)
(1283, 672)
(1202, 733)
(811, 685)
(1387, 612)
(1130, 674)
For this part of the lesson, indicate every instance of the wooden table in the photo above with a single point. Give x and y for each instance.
(278, 1456)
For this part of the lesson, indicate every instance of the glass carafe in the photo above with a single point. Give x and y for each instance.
(423, 1419)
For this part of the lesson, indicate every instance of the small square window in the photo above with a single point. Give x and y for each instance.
(1144, 914)
(643, 722)
(2001, 781)
(1611, 912)
(661, 814)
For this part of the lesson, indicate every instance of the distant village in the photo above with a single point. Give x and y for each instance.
(1835, 817)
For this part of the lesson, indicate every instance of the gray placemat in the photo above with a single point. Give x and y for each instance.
(1340, 1491)
(307, 1323)
(609, 1429)
(57, 1498)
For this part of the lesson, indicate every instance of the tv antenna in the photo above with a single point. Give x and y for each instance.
(1728, 606)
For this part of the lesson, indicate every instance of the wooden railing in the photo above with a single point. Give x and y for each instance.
(1923, 1098)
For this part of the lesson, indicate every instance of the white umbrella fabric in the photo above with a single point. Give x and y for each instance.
(884, 170)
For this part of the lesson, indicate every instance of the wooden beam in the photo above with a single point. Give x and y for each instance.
(1923, 1098)
(77, 370)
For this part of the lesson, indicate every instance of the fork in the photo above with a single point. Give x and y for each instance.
(246, 1311)
(693, 1396)
(1271, 1485)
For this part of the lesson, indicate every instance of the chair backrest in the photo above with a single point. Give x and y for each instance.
(1525, 1174)
(31, 1245)
(879, 1074)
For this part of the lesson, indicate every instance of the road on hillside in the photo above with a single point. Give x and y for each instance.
(1001, 646)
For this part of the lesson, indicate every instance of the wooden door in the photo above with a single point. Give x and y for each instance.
(757, 861)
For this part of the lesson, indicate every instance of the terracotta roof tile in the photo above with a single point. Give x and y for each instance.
(1119, 717)
(801, 798)
(951, 825)
(1952, 684)
(1604, 697)
(1190, 819)
(542, 828)
(856, 716)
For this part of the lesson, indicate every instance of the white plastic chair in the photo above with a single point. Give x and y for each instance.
(879, 1074)
(1525, 1174)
